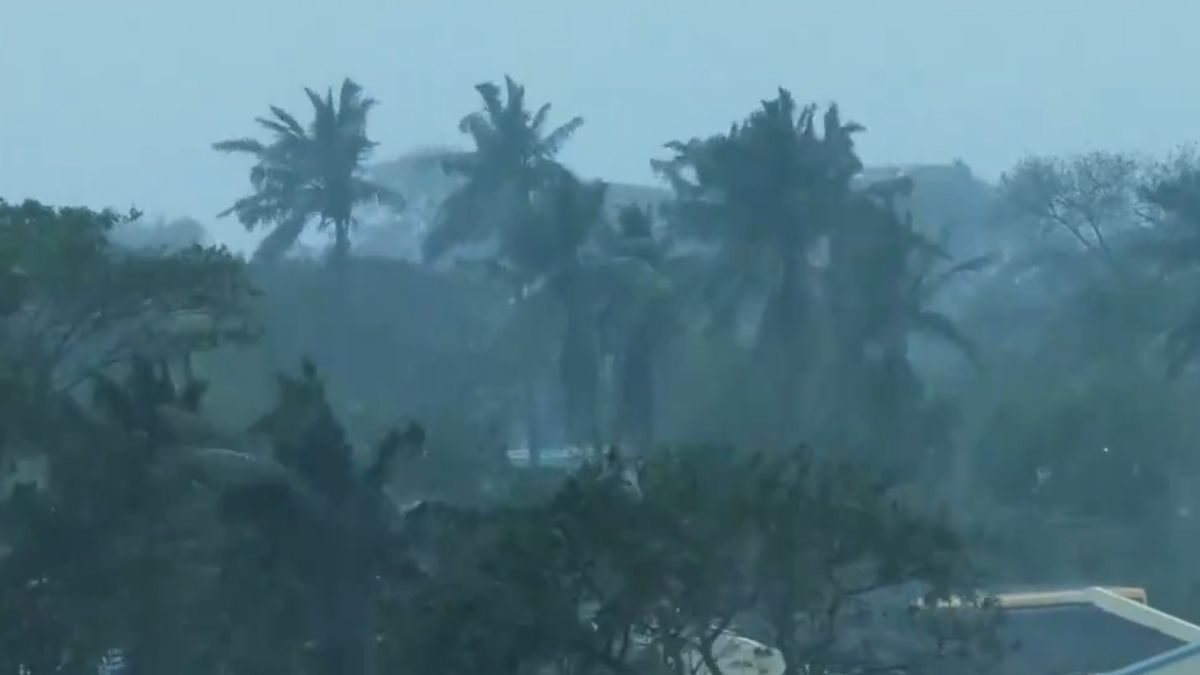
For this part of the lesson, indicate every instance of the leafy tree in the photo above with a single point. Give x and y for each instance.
(650, 575)
(78, 305)
(1091, 197)
(101, 550)
(1175, 194)
(1059, 450)
(305, 174)
(841, 556)
(323, 528)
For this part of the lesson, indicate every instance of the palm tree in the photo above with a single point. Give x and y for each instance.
(883, 277)
(765, 192)
(306, 174)
(641, 314)
(551, 244)
(513, 158)
(515, 192)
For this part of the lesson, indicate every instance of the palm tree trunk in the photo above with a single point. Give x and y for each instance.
(535, 438)
(635, 416)
(579, 370)
(781, 333)
(340, 312)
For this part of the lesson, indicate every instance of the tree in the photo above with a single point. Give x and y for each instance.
(310, 173)
(78, 305)
(1091, 197)
(1175, 195)
(642, 314)
(503, 197)
(651, 575)
(841, 558)
(883, 277)
(764, 193)
(513, 158)
(327, 530)
(101, 551)
(162, 236)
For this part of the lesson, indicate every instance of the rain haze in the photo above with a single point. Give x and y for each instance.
(117, 103)
(628, 337)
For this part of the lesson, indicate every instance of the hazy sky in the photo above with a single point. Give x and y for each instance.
(115, 102)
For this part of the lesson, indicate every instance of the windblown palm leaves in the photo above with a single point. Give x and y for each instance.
(928, 280)
(513, 158)
(306, 174)
(762, 180)
(895, 277)
(763, 192)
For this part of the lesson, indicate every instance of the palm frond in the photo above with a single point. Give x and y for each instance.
(514, 105)
(286, 138)
(460, 220)
(511, 163)
(302, 173)
(353, 106)
(291, 124)
(538, 122)
(554, 141)
(492, 105)
(280, 239)
(940, 326)
(248, 146)
(975, 264)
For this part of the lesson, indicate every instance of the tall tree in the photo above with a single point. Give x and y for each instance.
(884, 277)
(305, 174)
(1175, 194)
(1090, 197)
(516, 194)
(765, 192)
(642, 312)
(76, 304)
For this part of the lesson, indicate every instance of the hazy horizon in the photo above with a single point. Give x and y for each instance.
(118, 106)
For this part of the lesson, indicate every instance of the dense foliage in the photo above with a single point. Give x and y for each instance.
(649, 428)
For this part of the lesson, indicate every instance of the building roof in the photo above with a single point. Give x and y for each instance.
(1183, 660)
(1072, 631)
(1076, 639)
(1090, 631)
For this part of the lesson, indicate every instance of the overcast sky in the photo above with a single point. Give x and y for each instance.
(116, 102)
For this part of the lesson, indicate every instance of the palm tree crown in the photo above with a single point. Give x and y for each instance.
(514, 157)
(304, 174)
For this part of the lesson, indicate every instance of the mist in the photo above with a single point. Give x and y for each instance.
(599, 338)
(116, 104)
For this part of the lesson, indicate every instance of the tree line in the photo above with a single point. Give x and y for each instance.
(135, 527)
